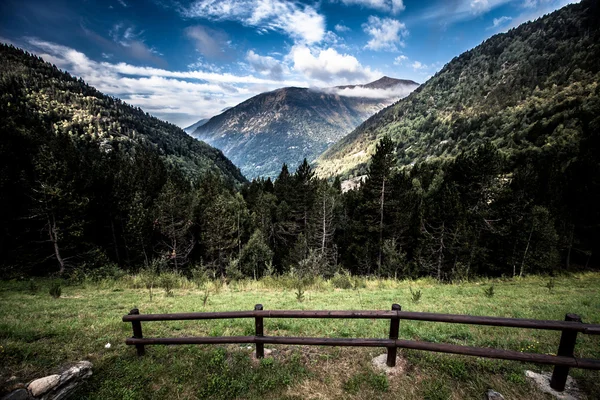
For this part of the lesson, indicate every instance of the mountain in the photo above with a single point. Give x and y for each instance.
(190, 129)
(290, 124)
(68, 105)
(87, 180)
(521, 90)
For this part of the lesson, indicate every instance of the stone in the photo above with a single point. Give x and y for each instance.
(43, 385)
(380, 364)
(268, 352)
(70, 380)
(20, 394)
(493, 395)
(542, 381)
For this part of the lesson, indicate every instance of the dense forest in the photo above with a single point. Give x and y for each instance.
(88, 183)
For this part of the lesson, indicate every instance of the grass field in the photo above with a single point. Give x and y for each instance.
(39, 334)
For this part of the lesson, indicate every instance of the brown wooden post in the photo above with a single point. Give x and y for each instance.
(258, 325)
(565, 349)
(137, 332)
(394, 329)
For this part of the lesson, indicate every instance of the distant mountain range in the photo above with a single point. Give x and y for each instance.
(289, 124)
(526, 89)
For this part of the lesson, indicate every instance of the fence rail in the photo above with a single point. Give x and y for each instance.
(563, 361)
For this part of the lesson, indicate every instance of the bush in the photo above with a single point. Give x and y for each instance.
(168, 281)
(342, 280)
(33, 286)
(55, 290)
(416, 296)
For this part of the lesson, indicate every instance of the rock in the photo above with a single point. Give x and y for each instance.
(43, 385)
(493, 395)
(542, 381)
(70, 380)
(20, 394)
(380, 364)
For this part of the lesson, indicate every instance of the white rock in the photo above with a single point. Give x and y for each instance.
(571, 391)
(493, 395)
(43, 385)
(107, 346)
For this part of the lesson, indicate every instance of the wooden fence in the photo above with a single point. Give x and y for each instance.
(562, 361)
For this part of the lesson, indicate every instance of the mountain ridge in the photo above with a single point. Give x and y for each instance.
(503, 90)
(289, 124)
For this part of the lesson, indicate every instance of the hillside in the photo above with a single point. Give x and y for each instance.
(290, 124)
(86, 180)
(68, 105)
(520, 90)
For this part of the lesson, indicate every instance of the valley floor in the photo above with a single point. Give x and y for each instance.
(39, 334)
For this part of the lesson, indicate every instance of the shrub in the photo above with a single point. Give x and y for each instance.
(342, 280)
(415, 296)
(300, 293)
(33, 286)
(55, 290)
(550, 284)
(168, 281)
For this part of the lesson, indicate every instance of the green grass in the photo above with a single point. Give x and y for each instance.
(39, 334)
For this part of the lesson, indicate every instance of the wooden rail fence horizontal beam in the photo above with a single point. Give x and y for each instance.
(398, 343)
(564, 359)
(406, 315)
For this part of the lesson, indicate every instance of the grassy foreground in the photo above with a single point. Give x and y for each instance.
(39, 334)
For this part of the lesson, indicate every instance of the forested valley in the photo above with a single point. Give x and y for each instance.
(91, 185)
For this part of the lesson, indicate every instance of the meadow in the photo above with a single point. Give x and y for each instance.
(40, 333)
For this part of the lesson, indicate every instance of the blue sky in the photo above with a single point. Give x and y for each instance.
(183, 60)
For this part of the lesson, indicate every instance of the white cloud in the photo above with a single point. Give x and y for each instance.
(209, 42)
(392, 6)
(301, 22)
(130, 41)
(122, 3)
(330, 66)
(448, 12)
(182, 97)
(480, 6)
(500, 21)
(342, 28)
(401, 59)
(386, 33)
(265, 65)
(417, 65)
(396, 92)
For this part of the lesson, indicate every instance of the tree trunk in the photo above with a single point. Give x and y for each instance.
(440, 254)
(324, 230)
(568, 263)
(54, 240)
(526, 250)
(381, 226)
(114, 236)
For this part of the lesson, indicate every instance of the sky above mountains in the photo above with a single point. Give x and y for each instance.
(188, 59)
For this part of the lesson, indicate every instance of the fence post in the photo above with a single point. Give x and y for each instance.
(565, 349)
(394, 329)
(137, 332)
(258, 325)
